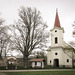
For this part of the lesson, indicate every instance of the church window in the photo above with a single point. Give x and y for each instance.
(35, 63)
(55, 30)
(56, 40)
(67, 60)
(56, 53)
(50, 61)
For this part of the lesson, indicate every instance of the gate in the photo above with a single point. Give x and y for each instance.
(11, 66)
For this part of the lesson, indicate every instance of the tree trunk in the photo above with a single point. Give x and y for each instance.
(0, 56)
(25, 61)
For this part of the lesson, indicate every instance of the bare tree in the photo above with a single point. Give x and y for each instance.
(39, 54)
(73, 25)
(72, 43)
(29, 32)
(3, 39)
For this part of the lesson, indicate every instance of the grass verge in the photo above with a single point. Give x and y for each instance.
(43, 73)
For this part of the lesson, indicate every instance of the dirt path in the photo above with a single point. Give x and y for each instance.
(37, 70)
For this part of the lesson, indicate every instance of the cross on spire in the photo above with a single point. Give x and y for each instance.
(56, 9)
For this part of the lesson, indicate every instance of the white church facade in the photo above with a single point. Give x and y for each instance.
(60, 54)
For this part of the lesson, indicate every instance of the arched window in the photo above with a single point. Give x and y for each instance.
(56, 40)
(67, 60)
(50, 61)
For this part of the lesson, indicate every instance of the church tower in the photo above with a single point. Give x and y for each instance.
(59, 53)
(57, 33)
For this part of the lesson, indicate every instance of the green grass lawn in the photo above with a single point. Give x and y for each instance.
(43, 73)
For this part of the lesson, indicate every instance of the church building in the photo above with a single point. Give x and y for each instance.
(60, 54)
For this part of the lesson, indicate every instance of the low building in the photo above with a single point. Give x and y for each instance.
(10, 62)
(37, 63)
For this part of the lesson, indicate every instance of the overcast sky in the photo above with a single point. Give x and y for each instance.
(66, 12)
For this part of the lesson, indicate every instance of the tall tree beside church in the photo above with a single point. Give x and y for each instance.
(31, 32)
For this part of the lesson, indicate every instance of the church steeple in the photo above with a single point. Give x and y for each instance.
(57, 22)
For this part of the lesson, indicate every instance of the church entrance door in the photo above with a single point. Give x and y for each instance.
(56, 62)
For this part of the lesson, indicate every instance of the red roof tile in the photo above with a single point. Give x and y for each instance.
(36, 59)
(11, 59)
(57, 22)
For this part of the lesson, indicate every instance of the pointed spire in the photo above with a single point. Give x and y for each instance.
(57, 22)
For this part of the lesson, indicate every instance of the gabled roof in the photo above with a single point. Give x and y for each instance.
(67, 46)
(11, 59)
(57, 22)
(36, 60)
(64, 45)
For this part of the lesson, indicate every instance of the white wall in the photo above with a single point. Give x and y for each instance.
(61, 56)
(38, 64)
(51, 56)
(58, 34)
